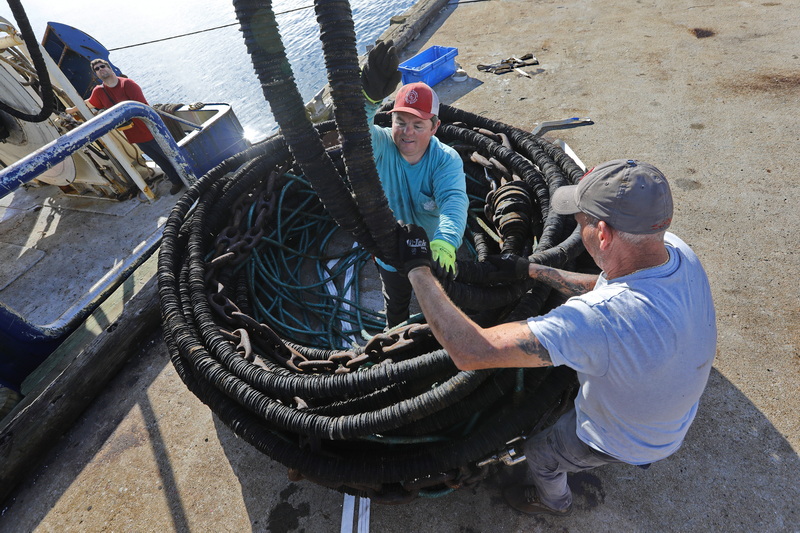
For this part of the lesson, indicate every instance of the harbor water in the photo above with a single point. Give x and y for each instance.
(206, 66)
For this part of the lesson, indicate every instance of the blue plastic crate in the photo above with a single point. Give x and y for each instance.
(431, 66)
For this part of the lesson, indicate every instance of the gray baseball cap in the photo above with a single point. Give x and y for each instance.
(629, 195)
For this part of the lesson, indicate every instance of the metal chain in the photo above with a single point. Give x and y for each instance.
(232, 247)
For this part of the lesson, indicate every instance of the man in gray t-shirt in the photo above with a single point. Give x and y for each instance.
(641, 335)
(642, 345)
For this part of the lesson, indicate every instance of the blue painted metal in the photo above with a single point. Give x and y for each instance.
(25, 345)
(73, 50)
(19, 356)
(42, 159)
(221, 138)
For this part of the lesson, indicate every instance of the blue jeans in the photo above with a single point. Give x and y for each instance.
(555, 451)
(154, 152)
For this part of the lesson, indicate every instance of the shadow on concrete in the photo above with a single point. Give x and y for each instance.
(735, 472)
(450, 91)
(82, 445)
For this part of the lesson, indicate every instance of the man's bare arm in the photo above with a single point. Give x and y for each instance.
(565, 282)
(470, 346)
(74, 110)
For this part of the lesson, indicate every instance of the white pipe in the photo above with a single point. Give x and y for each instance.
(10, 41)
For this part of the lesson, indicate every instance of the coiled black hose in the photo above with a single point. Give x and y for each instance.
(258, 402)
(393, 417)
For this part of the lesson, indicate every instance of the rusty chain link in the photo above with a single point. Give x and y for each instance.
(232, 247)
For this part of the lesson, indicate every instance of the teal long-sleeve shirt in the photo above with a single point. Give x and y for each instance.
(431, 193)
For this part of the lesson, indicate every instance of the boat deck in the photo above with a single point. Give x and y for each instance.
(55, 246)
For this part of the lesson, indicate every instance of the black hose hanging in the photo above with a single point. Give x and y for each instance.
(260, 31)
(338, 36)
(45, 86)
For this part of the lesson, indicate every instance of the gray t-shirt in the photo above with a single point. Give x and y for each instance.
(642, 346)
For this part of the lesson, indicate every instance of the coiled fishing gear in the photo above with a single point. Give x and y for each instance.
(266, 323)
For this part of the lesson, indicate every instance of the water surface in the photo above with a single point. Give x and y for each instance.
(211, 66)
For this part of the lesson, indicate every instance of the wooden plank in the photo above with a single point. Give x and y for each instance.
(402, 30)
(83, 365)
(415, 20)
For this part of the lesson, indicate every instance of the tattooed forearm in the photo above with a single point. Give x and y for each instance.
(531, 345)
(567, 283)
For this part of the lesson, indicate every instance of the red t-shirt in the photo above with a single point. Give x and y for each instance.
(126, 89)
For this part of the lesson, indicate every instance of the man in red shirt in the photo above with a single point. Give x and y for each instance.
(114, 90)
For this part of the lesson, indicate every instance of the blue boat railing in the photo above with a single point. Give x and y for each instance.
(31, 343)
(70, 318)
(29, 167)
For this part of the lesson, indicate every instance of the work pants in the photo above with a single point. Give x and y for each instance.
(554, 452)
(396, 296)
(154, 152)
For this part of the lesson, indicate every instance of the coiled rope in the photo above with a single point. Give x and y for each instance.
(391, 417)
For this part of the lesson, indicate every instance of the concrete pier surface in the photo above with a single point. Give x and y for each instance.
(705, 90)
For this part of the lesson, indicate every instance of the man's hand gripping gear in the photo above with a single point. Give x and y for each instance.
(415, 250)
(445, 254)
(509, 267)
(379, 76)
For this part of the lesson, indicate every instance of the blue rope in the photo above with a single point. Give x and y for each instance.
(292, 286)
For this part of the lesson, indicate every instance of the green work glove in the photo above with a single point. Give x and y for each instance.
(379, 76)
(445, 254)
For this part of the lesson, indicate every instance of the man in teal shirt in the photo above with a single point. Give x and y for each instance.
(423, 178)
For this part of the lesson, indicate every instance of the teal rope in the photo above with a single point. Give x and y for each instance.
(289, 276)
(298, 307)
(435, 493)
(289, 279)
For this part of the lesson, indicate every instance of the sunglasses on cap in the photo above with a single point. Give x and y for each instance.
(98, 67)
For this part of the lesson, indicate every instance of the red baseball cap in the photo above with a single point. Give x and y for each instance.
(418, 99)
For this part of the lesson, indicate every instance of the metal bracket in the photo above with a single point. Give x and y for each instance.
(561, 125)
(511, 456)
